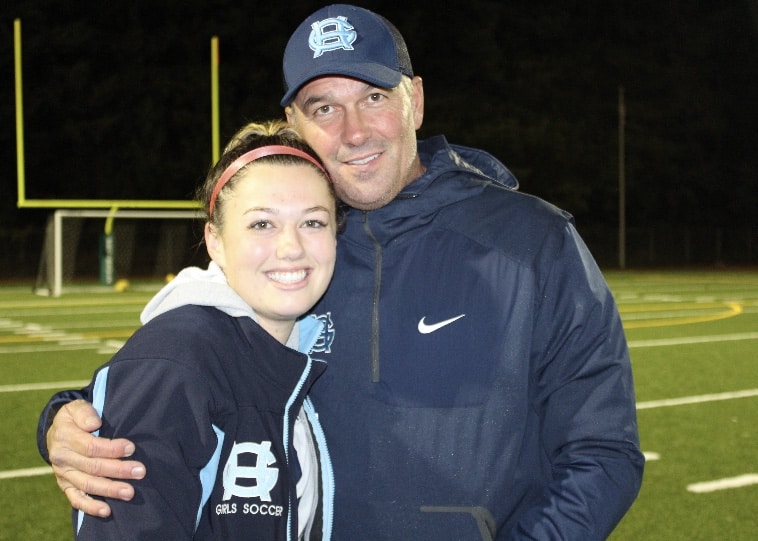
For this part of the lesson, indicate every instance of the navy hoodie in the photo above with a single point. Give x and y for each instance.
(212, 403)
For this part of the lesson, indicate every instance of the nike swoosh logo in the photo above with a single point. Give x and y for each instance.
(424, 328)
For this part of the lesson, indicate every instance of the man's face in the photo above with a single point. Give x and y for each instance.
(366, 136)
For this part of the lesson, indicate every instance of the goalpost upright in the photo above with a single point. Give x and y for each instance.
(19, 112)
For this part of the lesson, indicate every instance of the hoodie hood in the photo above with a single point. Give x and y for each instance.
(208, 287)
(200, 287)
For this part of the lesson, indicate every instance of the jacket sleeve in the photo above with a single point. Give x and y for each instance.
(48, 414)
(585, 399)
(164, 408)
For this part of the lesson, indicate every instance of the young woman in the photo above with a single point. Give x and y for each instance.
(213, 388)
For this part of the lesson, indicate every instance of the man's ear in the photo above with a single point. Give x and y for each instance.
(214, 244)
(289, 113)
(417, 99)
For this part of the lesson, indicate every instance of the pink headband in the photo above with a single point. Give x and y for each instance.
(253, 155)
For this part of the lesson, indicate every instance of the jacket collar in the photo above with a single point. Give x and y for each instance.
(453, 173)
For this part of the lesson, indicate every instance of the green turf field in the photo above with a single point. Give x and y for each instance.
(694, 343)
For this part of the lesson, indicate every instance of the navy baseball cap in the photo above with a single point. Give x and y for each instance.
(345, 40)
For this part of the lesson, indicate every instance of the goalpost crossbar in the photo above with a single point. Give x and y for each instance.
(60, 214)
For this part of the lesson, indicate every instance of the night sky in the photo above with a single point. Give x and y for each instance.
(117, 97)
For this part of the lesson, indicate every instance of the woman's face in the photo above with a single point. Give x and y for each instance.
(277, 243)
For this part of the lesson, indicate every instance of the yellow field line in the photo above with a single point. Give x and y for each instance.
(732, 309)
(666, 306)
(67, 303)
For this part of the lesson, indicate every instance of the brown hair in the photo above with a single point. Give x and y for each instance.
(252, 136)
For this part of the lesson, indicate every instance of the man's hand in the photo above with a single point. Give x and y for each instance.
(84, 464)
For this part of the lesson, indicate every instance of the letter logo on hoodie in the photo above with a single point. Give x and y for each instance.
(265, 476)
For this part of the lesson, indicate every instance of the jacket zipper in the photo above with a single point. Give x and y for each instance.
(325, 468)
(375, 367)
(287, 437)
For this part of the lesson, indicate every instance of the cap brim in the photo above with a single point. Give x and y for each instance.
(369, 72)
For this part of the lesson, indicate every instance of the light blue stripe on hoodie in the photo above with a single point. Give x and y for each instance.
(208, 473)
(98, 401)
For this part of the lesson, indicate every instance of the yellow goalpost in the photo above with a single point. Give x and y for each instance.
(23, 202)
(50, 279)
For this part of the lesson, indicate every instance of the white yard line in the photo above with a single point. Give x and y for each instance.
(74, 384)
(698, 399)
(724, 484)
(28, 472)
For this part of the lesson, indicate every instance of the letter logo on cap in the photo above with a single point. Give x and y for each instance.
(331, 34)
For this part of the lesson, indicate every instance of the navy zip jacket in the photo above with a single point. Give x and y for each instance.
(479, 383)
(212, 415)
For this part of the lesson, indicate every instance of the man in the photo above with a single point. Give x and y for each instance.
(479, 383)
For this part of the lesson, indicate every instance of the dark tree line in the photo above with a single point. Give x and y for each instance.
(117, 96)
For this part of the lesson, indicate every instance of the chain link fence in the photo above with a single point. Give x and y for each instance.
(665, 246)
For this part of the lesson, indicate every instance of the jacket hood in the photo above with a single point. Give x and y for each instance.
(453, 173)
(208, 287)
(440, 158)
